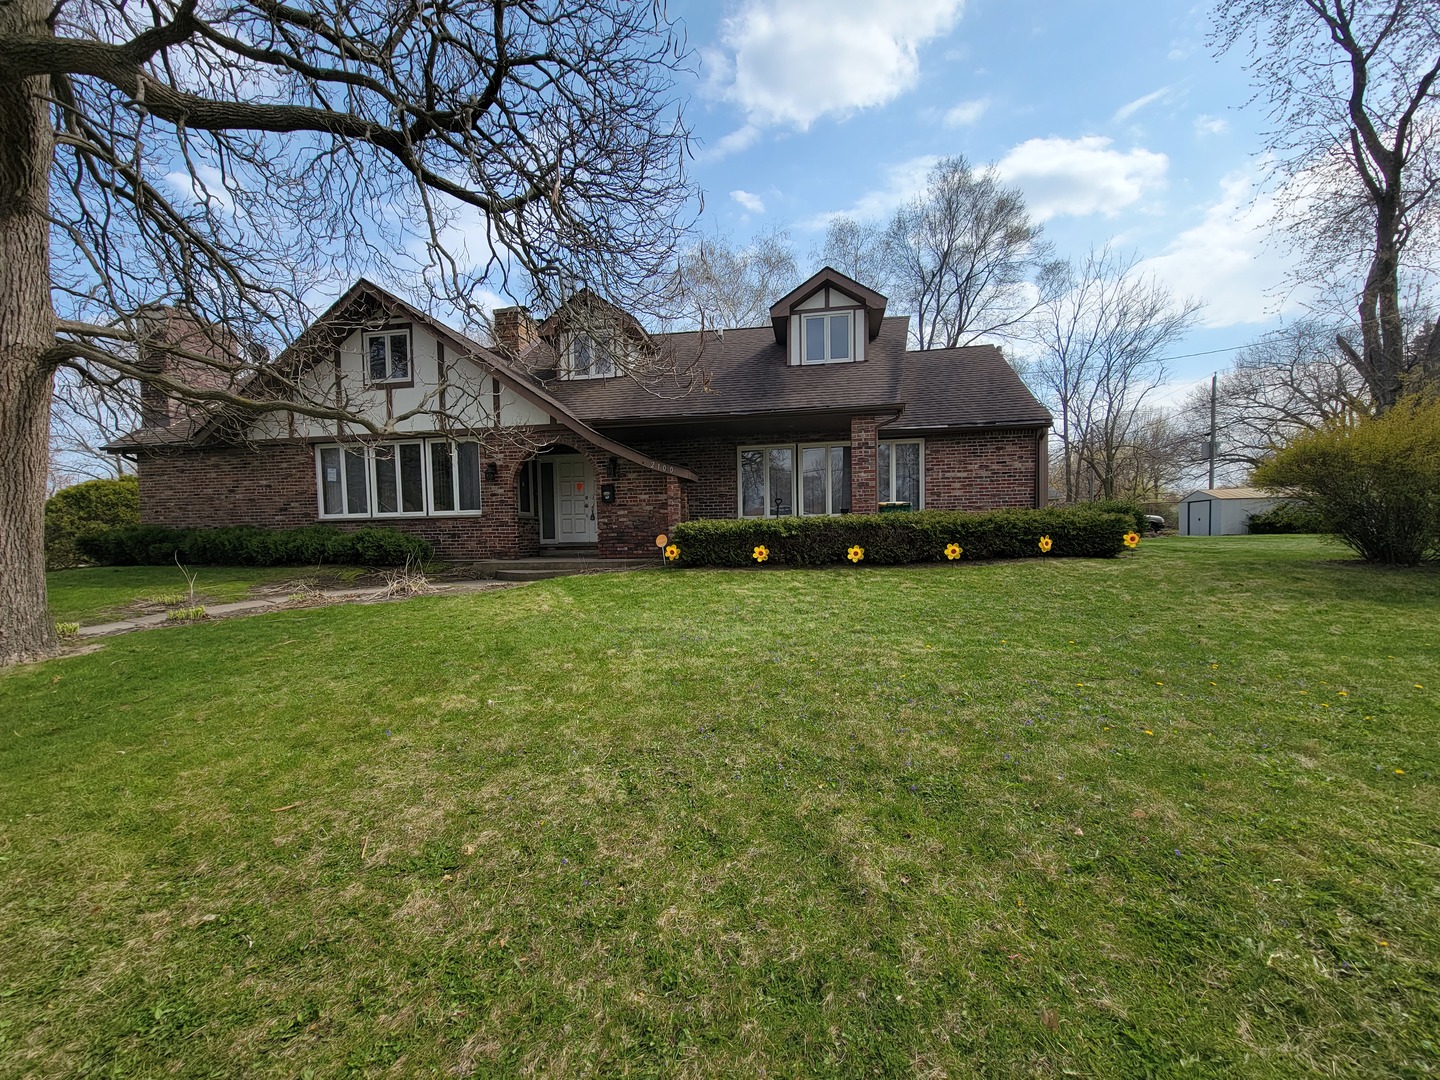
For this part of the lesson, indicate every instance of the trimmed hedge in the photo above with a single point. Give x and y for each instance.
(154, 545)
(893, 539)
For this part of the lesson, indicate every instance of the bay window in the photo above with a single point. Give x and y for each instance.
(399, 479)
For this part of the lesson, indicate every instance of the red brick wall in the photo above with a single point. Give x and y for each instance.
(273, 485)
(864, 480)
(983, 470)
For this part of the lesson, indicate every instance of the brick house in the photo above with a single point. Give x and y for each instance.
(549, 440)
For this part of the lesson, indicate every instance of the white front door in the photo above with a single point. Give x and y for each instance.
(574, 501)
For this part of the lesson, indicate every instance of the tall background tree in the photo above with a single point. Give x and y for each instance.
(1286, 383)
(235, 163)
(721, 287)
(1098, 356)
(962, 258)
(1350, 86)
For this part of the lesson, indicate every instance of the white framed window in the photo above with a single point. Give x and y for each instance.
(900, 472)
(767, 481)
(825, 479)
(589, 359)
(827, 337)
(388, 357)
(343, 475)
(454, 477)
(414, 478)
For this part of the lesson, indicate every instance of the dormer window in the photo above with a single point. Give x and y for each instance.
(589, 359)
(387, 357)
(829, 319)
(828, 338)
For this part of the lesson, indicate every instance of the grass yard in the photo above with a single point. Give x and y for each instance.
(97, 594)
(1175, 814)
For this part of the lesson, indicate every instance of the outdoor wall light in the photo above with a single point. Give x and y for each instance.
(492, 472)
(614, 467)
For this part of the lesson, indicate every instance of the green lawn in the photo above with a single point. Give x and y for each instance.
(97, 594)
(1174, 814)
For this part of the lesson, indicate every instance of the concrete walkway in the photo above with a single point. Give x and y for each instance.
(317, 598)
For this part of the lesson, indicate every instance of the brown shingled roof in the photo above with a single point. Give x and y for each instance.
(738, 373)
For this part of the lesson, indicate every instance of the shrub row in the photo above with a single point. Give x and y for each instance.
(892, 539)
(87, 507)
(1286, 518)
(153, 545)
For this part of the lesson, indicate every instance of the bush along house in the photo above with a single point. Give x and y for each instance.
(554, 439)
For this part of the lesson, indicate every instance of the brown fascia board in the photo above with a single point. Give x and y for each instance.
(987, 425)
(496, 366)
(873, 301)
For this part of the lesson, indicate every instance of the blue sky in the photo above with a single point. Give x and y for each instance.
(1114, 118)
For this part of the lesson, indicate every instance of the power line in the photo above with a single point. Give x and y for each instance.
(1207, 352)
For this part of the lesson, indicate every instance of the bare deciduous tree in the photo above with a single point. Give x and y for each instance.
(1291, 381)
(962, 258)
(229, 163)
(720, 287)
(1100, 344)
(1351, 88)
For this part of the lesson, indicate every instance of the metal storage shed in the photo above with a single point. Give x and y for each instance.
(1223, 511)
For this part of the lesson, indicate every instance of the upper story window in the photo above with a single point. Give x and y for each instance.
(387, 357)
(828, 337)
(589, 359)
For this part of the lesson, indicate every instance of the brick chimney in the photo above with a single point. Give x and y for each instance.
(515, 330)
(172, 329)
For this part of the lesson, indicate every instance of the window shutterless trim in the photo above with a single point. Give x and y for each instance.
(386, 332)
(371, 487)
(765, 458)
(920, 468)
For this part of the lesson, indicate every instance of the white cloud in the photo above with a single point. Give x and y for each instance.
(1130, 108)
(1211, 125)
(742, 138)
(966, 113)
(750, 202)
(903, 181)
(1081, 176)
(1226, 260)
(790, 62)
(205, 186)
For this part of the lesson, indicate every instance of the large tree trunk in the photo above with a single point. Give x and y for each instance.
(27, 330)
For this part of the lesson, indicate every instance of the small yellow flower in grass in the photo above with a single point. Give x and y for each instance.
(952, 551)
(672, 552)
(1132, 539)
(1045, 543)
(1343, 693)
(761, 553)
(855, 554)
(1149, 732)
(1399, 772)
(1385, 943)
(1419, 687)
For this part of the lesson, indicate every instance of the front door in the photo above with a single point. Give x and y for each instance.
(574, 501)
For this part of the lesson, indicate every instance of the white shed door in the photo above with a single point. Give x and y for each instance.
(1199, 517)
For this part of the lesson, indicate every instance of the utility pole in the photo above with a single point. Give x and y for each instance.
(1213, 379)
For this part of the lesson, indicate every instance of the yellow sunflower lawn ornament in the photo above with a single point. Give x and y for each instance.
(1132, 539)
(761, 553)
(855, 554)
(952, 551)
(1045, 544)
(672, 552)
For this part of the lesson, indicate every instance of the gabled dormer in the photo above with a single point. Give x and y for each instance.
(830, 319)
(594, 339)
